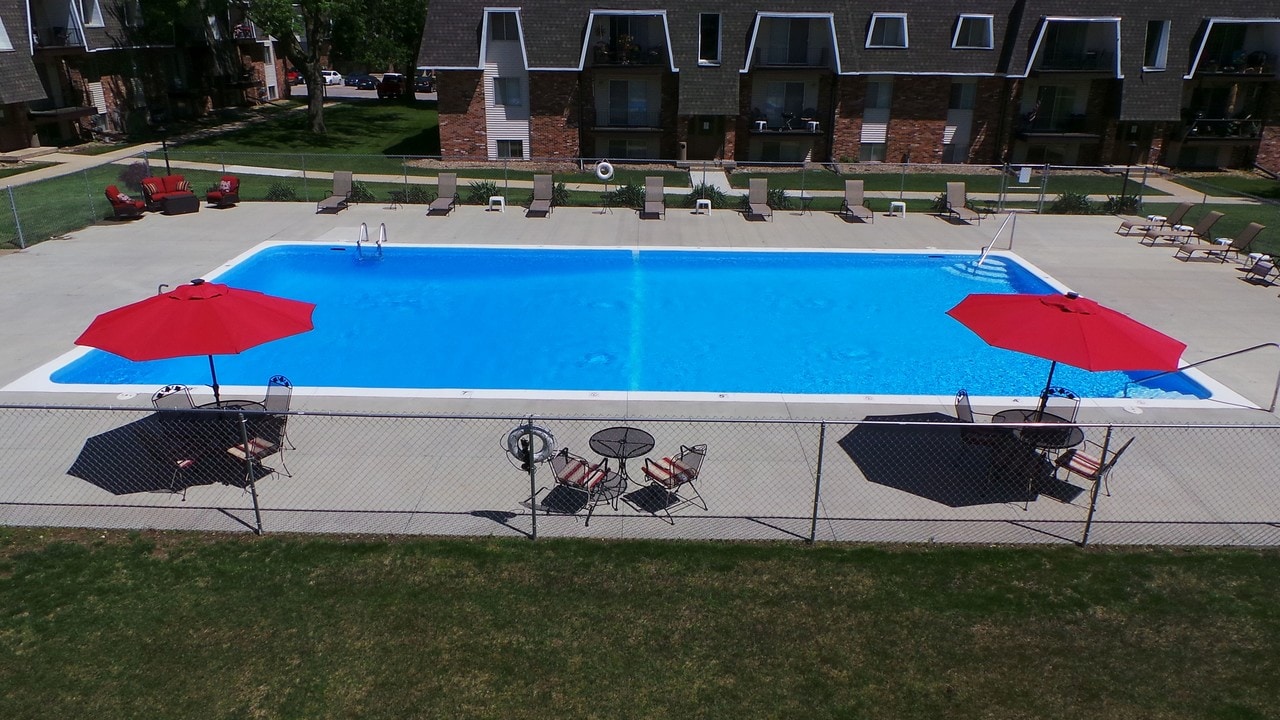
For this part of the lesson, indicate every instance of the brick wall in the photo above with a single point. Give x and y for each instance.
(1104, 103)
(993, 113)
(553, 115)
(917, 117)
(460, 104)
(846, 136)
(1268, 155)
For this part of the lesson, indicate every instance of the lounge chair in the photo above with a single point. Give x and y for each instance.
(541, 202)
(671, 484)
(1154, 222)
(1222, 247)
(1091, 462)
(655, 203)
(446, 193)
(123, 206)
(337, 202)
(957, 207)
(1259, 273)
(758, 199)
(226, 193)
(853, 205)
(1183, 233)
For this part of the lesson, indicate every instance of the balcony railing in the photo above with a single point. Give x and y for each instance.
(622, 53)
(1239, 62)
(1203, 128)
(1076, 61)
(57, 37)
(632, 120)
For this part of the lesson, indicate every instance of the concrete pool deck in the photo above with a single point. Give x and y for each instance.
(445, 477)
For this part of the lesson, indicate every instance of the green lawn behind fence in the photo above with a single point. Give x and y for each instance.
(921, 180)
(116, 625)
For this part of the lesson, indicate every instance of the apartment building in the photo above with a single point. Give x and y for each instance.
(1187, 84)
(72, 69)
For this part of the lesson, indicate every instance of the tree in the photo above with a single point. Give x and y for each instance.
(382, 35)
(304, 35)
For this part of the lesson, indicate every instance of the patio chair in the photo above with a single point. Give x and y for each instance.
(957, 207)
(123, 206)
(758, 199)
(1183, 233)
(853, 205)
(1061, 402)
(578, 484)
(1223, 247)
(337, 201)
(671, 484)
(977, 434)
(173, 397)
(1259, 273)
(655, 203)
(1091, 462)
(1155, 222)
(226, 193)
(446, 193)
(541, 202)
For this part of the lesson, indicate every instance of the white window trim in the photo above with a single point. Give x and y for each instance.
(591, 20)
(95, 12)
(484, 38)
(871, 27)
(719, 41)
(502, 99)
(5, 43)
(1044, 27)
(1162, 55)
(991, 32)
(755, 34)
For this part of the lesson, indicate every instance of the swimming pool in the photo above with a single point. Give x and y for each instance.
(661, 320)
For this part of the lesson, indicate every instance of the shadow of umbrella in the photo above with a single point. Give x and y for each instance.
(143, 456)
(946, 461)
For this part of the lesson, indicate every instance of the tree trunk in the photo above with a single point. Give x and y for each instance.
(315, 105)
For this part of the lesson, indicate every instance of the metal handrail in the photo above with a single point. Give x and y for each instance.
(987, 250)
(1275, 392)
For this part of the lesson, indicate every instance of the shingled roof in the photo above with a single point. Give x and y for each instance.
(18, 80)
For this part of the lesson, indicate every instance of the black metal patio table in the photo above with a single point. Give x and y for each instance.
(621, 442)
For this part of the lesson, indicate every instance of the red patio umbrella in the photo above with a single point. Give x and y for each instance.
(197, 319)
(1070, 329)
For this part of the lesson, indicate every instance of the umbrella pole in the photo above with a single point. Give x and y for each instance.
(1040, 411)
(214, 373)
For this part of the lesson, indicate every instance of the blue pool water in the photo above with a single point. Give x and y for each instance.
(620, 319)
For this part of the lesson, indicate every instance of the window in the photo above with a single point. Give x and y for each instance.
(511, 149)
(506, 91)
(871, 152)
(132, 11)
(973, 32)
(784, 103)
(92, 13)
(5, 43)
(1157, 45)
(628, 148)
(963, 96)
(709, 39)
(888, 30)
(503, 26)
(879, 94)
(788, 41)
(629, 103)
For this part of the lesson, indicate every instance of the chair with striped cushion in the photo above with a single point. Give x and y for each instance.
(671, 483)
(1093, 468)
(578, 484)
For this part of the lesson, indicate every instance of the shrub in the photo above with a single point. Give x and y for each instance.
(707, 192)
(1123, 205)
(559, 196)
(1072, 203)
(479, 192)
(280, 191)
(132, 174)
(360, 193)
(940, 203)
(778, 199)
(630, 195)
(418, 195)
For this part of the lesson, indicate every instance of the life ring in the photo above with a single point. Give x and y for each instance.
(518, 435)
(604, 170)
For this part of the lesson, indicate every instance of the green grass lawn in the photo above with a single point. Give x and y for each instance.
(1235, 218)
(121, 625)
(20, 168)
(1229, 184)
(889, 182)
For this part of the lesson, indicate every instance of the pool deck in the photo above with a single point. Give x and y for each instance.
(52, 291)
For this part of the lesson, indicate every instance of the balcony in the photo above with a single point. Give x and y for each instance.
(1074, 127)
(1076, 61)
(1244, 130)
(623, 120)
(1237, 62)
(57, 38)
(626, 52)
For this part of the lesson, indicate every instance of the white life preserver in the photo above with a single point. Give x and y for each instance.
(517, 435)
(604, 170)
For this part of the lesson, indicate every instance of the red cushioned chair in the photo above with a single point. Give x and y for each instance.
(226, 193)
(122, 205)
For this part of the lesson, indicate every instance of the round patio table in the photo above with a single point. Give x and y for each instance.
(621, 442)
(1046, 438)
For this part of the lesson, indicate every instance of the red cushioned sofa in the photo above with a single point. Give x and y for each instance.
(169, 193)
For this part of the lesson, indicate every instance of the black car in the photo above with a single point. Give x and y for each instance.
(362, 82)
(424, 84)
(391, 87)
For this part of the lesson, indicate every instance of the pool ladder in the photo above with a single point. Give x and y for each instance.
(987, 250)
(362, 237)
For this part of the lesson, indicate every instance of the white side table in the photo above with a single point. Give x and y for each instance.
(701, 206)
(897, 207)
(498, 201)
(761, 125)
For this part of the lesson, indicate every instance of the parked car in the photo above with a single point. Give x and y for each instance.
(361, 82)
(424, 84)
(331, 77)
(391, 87)
(293, 77)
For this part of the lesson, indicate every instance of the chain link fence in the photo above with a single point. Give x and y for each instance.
(908, 478)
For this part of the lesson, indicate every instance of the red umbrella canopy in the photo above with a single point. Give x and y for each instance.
(197, 319)
(1069, 329)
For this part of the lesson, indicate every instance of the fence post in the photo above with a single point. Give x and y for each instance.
(533, 483)
(817, 483)
(306, 196)
(248, 469)
(1044, 186)
(1004, 187)
(88, 197)
(1093, 493)
(17, 221)
(1143, 186)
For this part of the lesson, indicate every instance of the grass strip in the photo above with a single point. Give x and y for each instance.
(107, 624)
(1058, 183)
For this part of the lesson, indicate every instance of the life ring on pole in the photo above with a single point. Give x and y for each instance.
(520, 444)
(604, 170)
